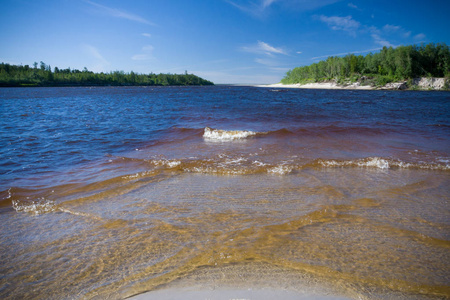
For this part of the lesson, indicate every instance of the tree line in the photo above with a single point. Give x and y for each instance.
(43, 75)
(388, 65)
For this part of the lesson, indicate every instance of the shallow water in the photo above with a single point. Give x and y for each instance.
(111, 192)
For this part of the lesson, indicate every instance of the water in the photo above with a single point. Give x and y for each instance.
(109, 192)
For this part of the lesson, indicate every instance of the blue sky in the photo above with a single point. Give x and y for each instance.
(225, 41)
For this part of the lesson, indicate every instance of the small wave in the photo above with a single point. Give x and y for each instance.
(35, 207)
(375, 162)
(226, 135)
(382, 163)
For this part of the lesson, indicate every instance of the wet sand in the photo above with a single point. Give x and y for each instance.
(250, 281)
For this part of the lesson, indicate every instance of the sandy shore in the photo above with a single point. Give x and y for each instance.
(248, 281)
(320, 85)
(226, 294)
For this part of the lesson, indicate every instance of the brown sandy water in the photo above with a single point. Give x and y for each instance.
(330, 225)
(352, 212)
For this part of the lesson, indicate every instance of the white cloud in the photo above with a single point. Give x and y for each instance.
(114, 12)
(267, 3)
(269, 49)
(146, 54)
(380, 41)
(147, 35)
(341, 23)
(419, 37)
(99, 63)
(299, 52)
(92, 51)
(264, 48)
(345, 53)
(391, 28)
(259, 8)
(396, 30)
(256, 9)
(352, 5)
(376, 35)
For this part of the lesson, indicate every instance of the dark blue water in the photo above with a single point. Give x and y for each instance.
(43, 130)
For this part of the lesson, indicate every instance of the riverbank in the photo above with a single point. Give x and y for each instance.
(421, 83)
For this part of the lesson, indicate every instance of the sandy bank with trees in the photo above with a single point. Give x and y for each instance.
(405, 67)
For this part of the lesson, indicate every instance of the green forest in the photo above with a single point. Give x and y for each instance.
(42, 75)
(388, 65)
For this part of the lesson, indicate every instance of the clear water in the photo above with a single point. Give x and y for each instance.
(111, 192)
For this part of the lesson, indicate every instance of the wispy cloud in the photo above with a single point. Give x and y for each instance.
(93, 52)
(146, 53)
(341, 23)
(267, 3)
(264, 48)
(260, 8)
(147, 35)
(255, 9)
(352, 5)
(419, 37)
(341, 54)
(380, 41)
(99, 62)
(117, 13)
(396, 30)
(377, 34)
(352, 27)
(391, 28)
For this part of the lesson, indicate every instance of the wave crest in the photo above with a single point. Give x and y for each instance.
(381, 163)
(226, 135)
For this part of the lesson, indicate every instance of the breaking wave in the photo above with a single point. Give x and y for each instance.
(226, 135)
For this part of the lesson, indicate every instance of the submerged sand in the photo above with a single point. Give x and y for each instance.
(245, 281)
(226, 294)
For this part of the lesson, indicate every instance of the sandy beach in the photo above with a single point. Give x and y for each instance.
(320, 85)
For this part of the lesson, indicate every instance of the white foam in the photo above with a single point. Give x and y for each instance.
(383, 164)
(171, 163)
(376, 162)
(35, 207)
(236, 161)
(226, 135)
(259, 163)
(280, 170)
(373, 162)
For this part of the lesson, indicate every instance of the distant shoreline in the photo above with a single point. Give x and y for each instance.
(421, 83)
